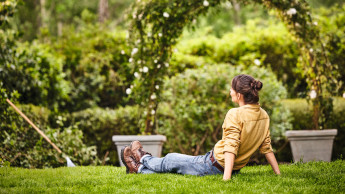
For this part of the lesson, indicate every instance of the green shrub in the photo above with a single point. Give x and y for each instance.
(99, 125)
(302, 117)
(32, 70)
(268, 42)
(196, 101)
(22, 146)
(76, 71)
(96, 66)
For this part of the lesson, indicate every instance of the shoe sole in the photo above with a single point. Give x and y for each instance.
(123, 159)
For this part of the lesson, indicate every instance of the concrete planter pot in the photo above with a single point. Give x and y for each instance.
(151, 143)
(309, 145)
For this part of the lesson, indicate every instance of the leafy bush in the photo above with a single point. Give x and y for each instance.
(196, 101)
(268, 43)
(99, 125)
(77, 71)
(96, 66)
(32, 70)
(22, 146)
(302, 116)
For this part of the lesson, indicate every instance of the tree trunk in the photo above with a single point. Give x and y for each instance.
(103, 11)
(237, 10)
(59, 28)
(43, 14)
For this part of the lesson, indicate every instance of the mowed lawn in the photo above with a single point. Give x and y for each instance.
(313, 177)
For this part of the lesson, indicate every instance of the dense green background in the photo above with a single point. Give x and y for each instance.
(69, 73)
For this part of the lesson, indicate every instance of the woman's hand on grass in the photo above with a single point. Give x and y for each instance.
(273, 162)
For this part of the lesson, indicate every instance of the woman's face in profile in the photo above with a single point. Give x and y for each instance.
(234, 96)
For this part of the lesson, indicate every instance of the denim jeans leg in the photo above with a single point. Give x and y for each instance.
(145, 170)
(179, 163)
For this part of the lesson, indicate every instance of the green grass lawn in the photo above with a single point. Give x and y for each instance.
(313, 177)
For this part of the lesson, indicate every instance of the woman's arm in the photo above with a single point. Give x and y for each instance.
(229, 164)
(273, 162)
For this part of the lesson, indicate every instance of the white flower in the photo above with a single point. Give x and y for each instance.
(131, 86)
(134, 15)
(311, 50)
(257, 62)
(140, 16)
(155, 61)
(139, 62)
(145, 69)
(166, 64)
(123, 52)
(130, 60)
(136, 74)
(140, 69)
(315, 23)
(128, 91)
(228, 5)
(138, 41)
(206, 3)
(153, 96)
(145, 113)
(165, 14)
(291, 11)
(344, 95)
(149, 34)
(160, 34)
(134, 51)
(313, 94)
(153, 112)
(157, 87)
(159, 66)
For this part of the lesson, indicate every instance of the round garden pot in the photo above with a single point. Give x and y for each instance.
(151, 143)
(310, 145)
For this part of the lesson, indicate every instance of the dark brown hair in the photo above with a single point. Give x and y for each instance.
(248, 87)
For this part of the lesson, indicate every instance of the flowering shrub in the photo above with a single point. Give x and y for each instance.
(157, 24)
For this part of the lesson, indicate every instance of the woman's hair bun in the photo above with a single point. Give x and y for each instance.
(258, 85)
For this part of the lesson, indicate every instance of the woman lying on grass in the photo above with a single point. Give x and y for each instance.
(245, 129)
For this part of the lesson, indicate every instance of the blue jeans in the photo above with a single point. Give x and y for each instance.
(179, 163)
